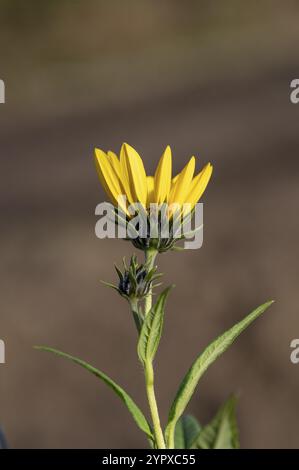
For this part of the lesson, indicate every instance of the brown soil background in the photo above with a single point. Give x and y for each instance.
(209, 81)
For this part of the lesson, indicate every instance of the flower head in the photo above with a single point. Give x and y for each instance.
(127, 184)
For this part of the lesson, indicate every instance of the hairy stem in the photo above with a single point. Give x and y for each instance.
(149, 379)
(150, 256)
(170, 438)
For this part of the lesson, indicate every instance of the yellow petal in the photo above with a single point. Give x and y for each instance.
(133, 174)
(124, 174)
(163, 177)
(108, 176)
(197, 188)
(114, 160)
(181, 187)
(174, 179)
(199, 184)
(150, 190)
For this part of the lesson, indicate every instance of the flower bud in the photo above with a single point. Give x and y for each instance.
(136, 280)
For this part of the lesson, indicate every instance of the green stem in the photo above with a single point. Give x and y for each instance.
(149, 379)
(170, 440)
(150, 256)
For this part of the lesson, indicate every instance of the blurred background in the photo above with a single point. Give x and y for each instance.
(209, 78)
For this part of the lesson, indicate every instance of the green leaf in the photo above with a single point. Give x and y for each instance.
(186, 431)
(201, 364)
(132, 407)
(222, 431)
(152, 329)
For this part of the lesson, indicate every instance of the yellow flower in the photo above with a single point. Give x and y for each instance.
(126, 176)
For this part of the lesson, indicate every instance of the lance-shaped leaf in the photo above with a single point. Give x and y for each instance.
(135, 411)
(222, 431)
(186, 432)
(200, 365)
(152, 329)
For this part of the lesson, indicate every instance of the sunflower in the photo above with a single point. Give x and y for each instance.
(126, 176)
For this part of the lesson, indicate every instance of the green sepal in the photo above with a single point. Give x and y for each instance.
(109, 284)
